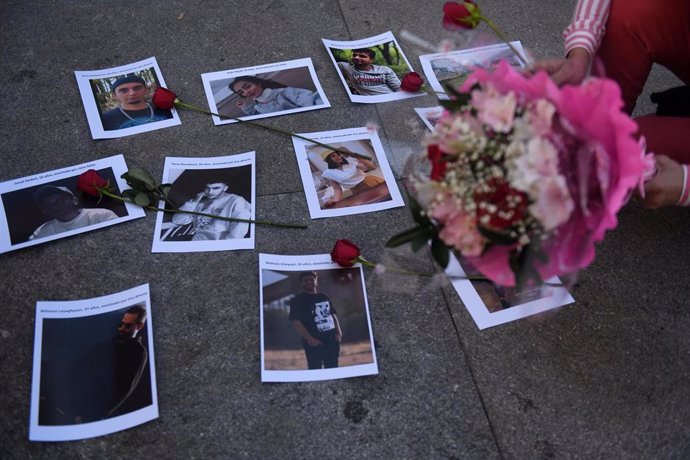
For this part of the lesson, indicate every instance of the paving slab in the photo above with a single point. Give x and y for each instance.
(606, 377)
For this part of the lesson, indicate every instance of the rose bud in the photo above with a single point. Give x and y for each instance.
(90, 182)
(345, 253)
(465, 15)
(438, 164)
(499, 206)
(164, 99)
(411, 82)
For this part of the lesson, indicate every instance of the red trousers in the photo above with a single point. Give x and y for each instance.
(640, 33)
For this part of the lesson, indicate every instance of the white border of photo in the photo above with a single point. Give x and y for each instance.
(314, 262)
(78, 309)
(337, 137)
(116, 162)
(466, 59)
(430, 113)
(209, 78)
(368, 43)
(206, 164)
(552, 297)
(93, 118)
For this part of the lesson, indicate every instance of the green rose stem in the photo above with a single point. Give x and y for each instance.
(372, 265)
(258, 125)
(431, 92)
(500, 34)
(108, 193)
(366, 263)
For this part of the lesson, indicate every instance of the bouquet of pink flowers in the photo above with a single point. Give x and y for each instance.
(521, 177)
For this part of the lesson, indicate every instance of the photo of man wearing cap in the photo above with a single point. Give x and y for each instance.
(133, 110)
(62, 206)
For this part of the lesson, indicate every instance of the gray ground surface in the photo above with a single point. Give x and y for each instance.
(606, 377)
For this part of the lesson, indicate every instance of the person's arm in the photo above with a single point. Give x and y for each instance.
(300, 97)
(249, 109)
(191, 205)
(392, 80)
(337, 192)
(302, 331)
(134, 381)
(105, 215)
(671, 185)
(581, 38)
(569, 71)
(38, 233)
(241, 210)
(345, 69)
(338, 332)
(587, 26)
(365, 165)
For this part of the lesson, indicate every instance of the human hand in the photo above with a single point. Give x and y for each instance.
(665, 188)
(338, 336)
(569, 71)
(313, 342)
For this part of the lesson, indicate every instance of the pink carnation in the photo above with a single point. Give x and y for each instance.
(554, 204)
(494, 109)
(593, 112)
(504, 78)
(528, 171)
(540, 117)
(543, 156)
(598, 162)
(459, 230)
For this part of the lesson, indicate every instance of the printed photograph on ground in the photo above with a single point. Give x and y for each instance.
(214, 188)
(118, 100)
(371, 68)
(491, 305)
(354, 179)
(314, 320)
(94, 371)
(452, 68)
(264, 91)
(430, 115)
(48, 206)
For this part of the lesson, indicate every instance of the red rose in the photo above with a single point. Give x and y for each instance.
(345, 253)
(499, 206)
(438, 164)
(90, 182)
(164, 98)
(465, 15)
(411, 82)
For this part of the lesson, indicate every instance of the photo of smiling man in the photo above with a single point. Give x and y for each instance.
(118, 101)
(372, 68)
(366, 78)
(133, 109)
(63, 209)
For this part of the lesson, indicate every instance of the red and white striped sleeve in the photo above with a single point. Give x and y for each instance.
(587, 26)
(684, 199)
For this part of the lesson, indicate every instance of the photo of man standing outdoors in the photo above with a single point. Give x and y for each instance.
(314, 318)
